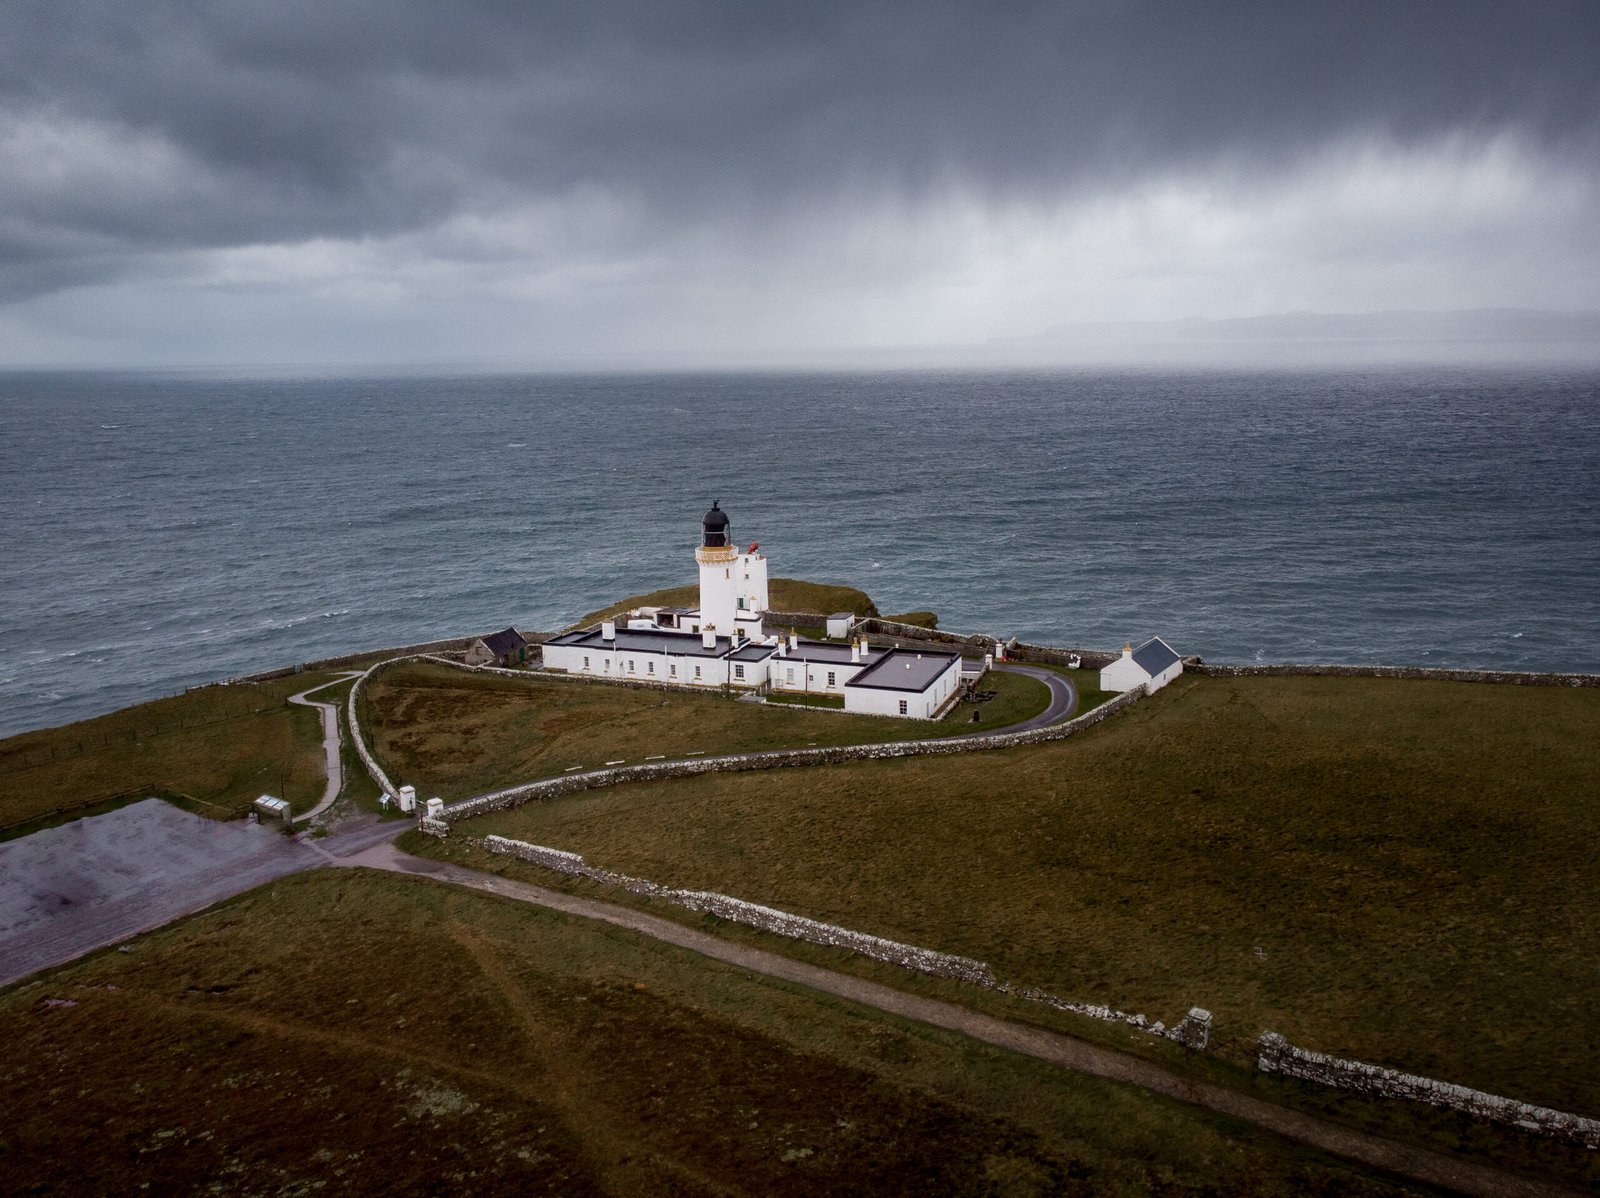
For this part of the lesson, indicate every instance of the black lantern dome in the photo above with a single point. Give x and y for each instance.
(716, 527)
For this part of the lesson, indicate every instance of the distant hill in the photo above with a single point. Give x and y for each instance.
(1469, 334)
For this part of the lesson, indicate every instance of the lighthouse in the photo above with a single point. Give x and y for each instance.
(733, 585)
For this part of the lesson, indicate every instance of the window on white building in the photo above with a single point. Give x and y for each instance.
(651, 666)
(697, 672)
(902, 707)
(672, 670)
(586, 663)
(738, 671)
(830, 678)
(632, 669)
(788, 674)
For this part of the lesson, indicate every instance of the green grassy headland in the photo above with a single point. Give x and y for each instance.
(1401, 872)
(212, 749)
(351, 1032)
(785, 594)
(457, 734)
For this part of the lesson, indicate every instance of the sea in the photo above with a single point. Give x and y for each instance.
(162, 530)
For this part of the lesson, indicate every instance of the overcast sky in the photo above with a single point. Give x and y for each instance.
(279, 181)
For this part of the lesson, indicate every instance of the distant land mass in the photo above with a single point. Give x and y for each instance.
(1468, 335)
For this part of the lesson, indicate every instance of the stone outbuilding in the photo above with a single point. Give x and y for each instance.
(1152, 665)
(505, 648)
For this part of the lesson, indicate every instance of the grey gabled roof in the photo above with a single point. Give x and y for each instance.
(1154, 656)
(508, 640)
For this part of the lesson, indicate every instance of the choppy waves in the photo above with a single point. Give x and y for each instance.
(161, 532)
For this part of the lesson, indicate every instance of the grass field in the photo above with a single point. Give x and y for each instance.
(455, 734)
(785, 594)
(350, 1032)
(220, 746)
(1397, 871)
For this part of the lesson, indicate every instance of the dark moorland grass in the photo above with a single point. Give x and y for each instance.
(220, 746)
(455, 734)
(785, 594)
(350, 1032)
(1402, 872)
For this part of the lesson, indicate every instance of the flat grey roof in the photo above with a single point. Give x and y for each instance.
(752, 653)
(643, 640)
(1154, 656)
(906, 670)
(825, 651)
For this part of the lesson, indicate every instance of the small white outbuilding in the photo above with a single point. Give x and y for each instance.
(1153, 664)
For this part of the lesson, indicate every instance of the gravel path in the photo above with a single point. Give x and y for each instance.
(330, 743)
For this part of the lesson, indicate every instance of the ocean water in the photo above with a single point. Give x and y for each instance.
(161, 530)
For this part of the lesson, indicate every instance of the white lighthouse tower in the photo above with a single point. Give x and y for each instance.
(733, 585)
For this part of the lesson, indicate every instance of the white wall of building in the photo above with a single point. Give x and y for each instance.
(812, 677)
(1123, 674)
(633, 665)
(719, 596)
(1166, 676)
(751, 575)
(919, 705)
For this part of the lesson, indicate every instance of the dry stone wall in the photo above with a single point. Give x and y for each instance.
(768, 919)
(1277, 1055)
(1505, 677)
(359, 742)
(551, 788)
(1193, 1032)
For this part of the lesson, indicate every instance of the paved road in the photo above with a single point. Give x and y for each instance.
(330, 743)
(1069, 1052)
(93, 882)
(1063, 697)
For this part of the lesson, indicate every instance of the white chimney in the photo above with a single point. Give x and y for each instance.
(1127, 651)
(608, 630)
(794, 641)
(855, 650)
(708, 638)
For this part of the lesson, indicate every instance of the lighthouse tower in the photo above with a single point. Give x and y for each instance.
(719, 592)
(733, 585)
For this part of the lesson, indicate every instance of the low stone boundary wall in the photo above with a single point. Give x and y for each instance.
(329, 663)
(767, 919)
(798, 619)
(1509, 677)
(359, 742)
(878, 626)
(550, 788)
(1277, 1055)
(1193, 1032)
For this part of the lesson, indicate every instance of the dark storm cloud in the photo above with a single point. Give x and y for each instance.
(148, 127)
